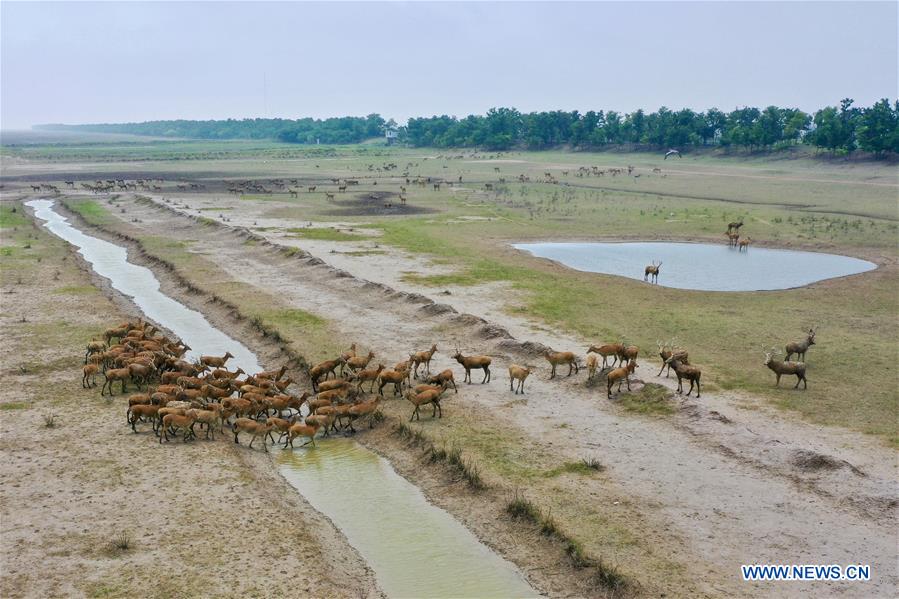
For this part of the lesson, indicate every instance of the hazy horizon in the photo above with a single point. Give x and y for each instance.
(125, 62)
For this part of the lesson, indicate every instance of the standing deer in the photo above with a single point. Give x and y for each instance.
(666, 351)
(469, 362)
(652, 270)
(685, 371)
(561, 357)
(744, 244)
(734, 226)
(801, 347)
(788, 368)
(733, 238)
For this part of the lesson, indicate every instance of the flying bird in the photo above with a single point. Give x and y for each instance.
(672, 153)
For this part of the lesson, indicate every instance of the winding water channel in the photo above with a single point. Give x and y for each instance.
(415, 548)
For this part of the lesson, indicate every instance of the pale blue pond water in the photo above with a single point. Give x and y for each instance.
(702, 266)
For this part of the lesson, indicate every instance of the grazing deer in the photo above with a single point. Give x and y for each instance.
(329, 195)
(608, 350)
(620, 375)
(734, 226)
(469, 362)
(685, 371)
(788, 368)
(341, 189)
(652, 270)
(312, 188)
(801, 347)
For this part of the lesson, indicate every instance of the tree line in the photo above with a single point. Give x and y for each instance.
(840, 129)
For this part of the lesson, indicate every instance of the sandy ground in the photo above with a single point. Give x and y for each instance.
(209, 519)
(722, 485)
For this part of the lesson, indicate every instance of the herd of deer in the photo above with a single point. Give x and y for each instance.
(175, 395)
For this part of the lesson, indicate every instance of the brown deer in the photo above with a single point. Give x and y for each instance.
(653, 271)
(734, 226)
(733, 238)
(788, 368)
(744, 244)
(608, 350)
(685, 371)
(519, 374)
(561, 357)
(666, 351)
(469, 362)
(422, 357)
(799, 348)
(620, 375)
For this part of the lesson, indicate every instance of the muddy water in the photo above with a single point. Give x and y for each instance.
(703, 266)
(415, 548)
(426, 551)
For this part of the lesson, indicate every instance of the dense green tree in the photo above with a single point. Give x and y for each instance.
(877, 128)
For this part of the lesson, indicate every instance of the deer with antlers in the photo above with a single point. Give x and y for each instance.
(781, 368)
(800, 347)
(666, 350)
(652, 271)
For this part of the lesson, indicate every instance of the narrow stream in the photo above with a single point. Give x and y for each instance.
(415, 548)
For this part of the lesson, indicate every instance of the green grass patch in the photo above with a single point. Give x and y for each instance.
(586, 466)
(76, 290)
(13, 405)
(91, 211)
(12, 216)
(364, 253)
(652, 399)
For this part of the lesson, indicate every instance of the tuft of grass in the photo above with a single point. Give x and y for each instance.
(49, 420)
(609, 578)
(652, 399)
(521, 508)
(11, 216)
(119, 544)
(593, 464)
(13, 405)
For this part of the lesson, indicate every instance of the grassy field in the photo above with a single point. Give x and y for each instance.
(785, 201)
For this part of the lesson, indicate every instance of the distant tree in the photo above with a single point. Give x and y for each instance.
(877, 128)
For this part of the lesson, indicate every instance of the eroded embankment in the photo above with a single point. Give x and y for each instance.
(729, 493)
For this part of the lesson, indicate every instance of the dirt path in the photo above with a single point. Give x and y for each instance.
(733, 483)
(207, 519)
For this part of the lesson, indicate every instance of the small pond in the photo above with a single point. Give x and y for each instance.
(703, 266)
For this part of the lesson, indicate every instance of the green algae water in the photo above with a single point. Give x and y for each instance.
(415, 548)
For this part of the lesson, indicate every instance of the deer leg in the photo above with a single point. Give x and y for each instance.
(511, 388)
(487, 370)
(697, 388)
(777, 384)
(628, 381)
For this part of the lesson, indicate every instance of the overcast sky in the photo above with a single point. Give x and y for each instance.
(128, 61)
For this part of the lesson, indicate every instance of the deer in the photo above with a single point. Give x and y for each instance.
(561, 357)
(666, 351)
(428, 396)
(652, 271)
(422, 357)
(734, 226)
(215, 361)
(444, 378)
(799, 348)
(469, 362)
(685, 371)
(359, 362)
(519, 374)
(744, 244)
(733, 238)
(788, 368)
(620, 375)
(592, 362)
(607, 350)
